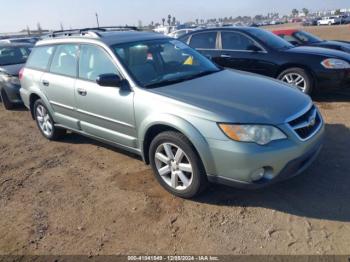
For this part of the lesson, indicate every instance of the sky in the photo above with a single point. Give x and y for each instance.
(17, 14)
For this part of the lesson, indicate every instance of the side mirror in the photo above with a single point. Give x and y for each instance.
(254, 48)
(112, 80)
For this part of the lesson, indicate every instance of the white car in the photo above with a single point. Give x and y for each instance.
(179, 33)
(332, 20)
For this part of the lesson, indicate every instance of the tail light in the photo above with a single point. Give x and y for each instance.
(20, 74)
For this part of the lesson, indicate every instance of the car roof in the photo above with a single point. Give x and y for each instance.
(285, 31)
(227, 28)
(109, 37)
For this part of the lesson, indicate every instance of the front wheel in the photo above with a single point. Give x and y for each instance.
(176, 165)
(45, 122)
(299, 78)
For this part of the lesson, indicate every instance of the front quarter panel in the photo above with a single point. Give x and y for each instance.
(149, 113)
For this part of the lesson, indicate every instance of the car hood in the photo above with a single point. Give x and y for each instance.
(325, 52)
(334, 43)
(237, 97)
(11, 69)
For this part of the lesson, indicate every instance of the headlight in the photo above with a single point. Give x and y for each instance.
(259, 134)
(11, 79)
(333, 63)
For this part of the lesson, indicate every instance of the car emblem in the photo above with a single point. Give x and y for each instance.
(312, 121)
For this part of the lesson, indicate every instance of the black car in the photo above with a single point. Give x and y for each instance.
(262, 52)
(311, 22)
(12, 59)
(302, 38)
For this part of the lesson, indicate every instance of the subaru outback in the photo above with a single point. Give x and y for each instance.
(191, 120)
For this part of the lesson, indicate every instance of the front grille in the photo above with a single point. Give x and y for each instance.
(307, 125)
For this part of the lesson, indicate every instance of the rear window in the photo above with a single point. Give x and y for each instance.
(40, 57)
(204, 40)
(65, 60)
(13, 55)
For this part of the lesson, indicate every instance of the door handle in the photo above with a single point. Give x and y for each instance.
(82, 92)
(46, 83)
(225, 56)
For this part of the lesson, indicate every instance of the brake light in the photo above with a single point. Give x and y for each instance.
(20, 74)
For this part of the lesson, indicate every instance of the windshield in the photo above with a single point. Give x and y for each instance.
(306, 37)
(157, 63)
(13, 55)
(270, 39)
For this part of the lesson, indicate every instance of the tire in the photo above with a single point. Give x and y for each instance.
(176, 177)
(6, 101)
(285, 76)
(45, 122)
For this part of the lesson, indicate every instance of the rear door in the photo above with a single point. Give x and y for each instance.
(58, 84)
(104, 112)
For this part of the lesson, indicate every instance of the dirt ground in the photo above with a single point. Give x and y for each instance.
(78, 196)
(339, 32)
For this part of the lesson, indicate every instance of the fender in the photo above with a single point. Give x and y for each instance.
(37, 92)
(183, 126)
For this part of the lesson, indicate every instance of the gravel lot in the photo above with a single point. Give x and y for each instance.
(78, 196)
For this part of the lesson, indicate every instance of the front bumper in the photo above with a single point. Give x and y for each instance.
(333, 79)
(236, 162)
(12, 92)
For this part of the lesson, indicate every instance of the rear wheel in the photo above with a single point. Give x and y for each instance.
(45, 122)
(176, 165)
(6, 101)
(299, 78)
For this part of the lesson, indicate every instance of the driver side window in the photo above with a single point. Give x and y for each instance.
(236, 41)
(94, 61)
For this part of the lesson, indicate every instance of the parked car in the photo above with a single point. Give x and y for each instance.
(332, 20)
(311, 22)
(181, 32)
(259, 51)
(346, 20)
(302, 38)
(12, 59)
(193, 121)
(25, 40)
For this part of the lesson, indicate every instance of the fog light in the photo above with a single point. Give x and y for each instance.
(258, 175)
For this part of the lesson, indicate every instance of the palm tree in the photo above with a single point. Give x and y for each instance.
(306, 11)
(295, 12)
(169, 20)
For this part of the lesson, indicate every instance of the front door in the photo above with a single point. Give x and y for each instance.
(104, 112)
(238, 51)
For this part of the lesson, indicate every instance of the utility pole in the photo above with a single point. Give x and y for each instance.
(98, 23)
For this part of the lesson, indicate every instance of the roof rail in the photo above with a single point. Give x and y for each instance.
(91, 31)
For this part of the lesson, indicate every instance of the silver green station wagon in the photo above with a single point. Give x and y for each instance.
(191, 120)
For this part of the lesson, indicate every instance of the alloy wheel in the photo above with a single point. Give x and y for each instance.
(44, 120)
(295, 79)
(174, 166)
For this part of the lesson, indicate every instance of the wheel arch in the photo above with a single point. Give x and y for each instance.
(296, 65)
(155, 125)
(35, 96)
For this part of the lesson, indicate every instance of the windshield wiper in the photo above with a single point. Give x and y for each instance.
(179, 80)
